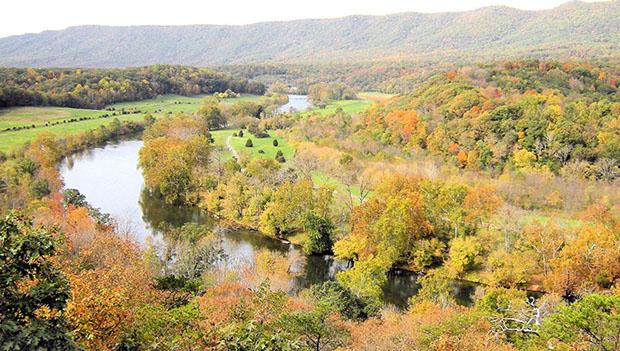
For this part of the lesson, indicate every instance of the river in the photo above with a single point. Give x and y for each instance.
(296, 103)
(110, 179)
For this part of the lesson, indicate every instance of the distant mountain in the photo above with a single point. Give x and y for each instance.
(575, 29)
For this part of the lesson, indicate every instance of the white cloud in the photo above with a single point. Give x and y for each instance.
(27, 16)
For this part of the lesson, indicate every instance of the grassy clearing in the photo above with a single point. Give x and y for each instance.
(366, 99)
(221, 138)
(569, 223)
(349, 106)
(320, 178)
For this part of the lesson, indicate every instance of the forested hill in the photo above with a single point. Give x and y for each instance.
(575, 29)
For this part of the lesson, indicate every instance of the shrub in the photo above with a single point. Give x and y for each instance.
(340, 298)
(240, 134)
(261, 151)
(275, 142)
(280, 157)
(249, 143)
(39, 188)
(261, 134)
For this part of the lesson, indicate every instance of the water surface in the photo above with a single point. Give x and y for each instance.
(296, 103)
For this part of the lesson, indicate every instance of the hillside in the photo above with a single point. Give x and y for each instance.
(575, 30)
(524, 115)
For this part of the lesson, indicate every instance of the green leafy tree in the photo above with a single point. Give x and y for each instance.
(594, 320)
(255, 336)
(365, 281)
(249, 143)
(33, 292)
(319, 234)
(73, 197)
(340, 299)
(39, 188)
(318, 329)
(158, 328)
(210, 111)
(285, 213)
(463, 253)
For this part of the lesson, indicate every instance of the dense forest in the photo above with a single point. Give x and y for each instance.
(545, 115)
(96, 88)
(576, 29)
(503, 175)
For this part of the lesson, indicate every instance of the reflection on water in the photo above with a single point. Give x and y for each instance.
(109, 178)
(157, 214)
(296, 103)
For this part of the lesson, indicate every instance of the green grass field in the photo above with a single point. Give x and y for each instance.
(9, 140)
(349, 106)
(21, 116)
(176, 103)
(366, 99)
(222, 137)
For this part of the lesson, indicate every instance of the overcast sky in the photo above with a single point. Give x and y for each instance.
(31, 16)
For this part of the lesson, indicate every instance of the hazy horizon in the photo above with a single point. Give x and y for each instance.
(138, 13)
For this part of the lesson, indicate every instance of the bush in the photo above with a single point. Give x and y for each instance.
(249, 143)
(240, 134)
(169, 329)
(39, 188)
(261, 134)
(280, 157)
(261, 151)
(342, 299)
(275, 142)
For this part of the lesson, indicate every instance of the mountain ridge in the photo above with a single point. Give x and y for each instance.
(574, 29)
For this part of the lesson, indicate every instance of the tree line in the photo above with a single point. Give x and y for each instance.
(96, 88)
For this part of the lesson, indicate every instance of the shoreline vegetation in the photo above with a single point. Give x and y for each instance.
(502, 174)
